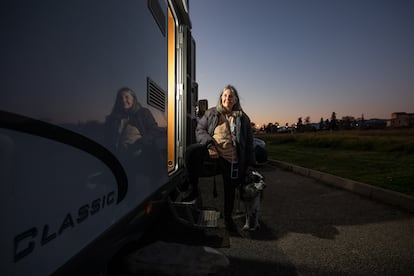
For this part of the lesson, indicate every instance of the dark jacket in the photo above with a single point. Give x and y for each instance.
(244, 139)
(142, 119)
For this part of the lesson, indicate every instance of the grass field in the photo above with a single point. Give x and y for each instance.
(384, 158)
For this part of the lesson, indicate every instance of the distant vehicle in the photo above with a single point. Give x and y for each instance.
(260, 150)
(285, 129)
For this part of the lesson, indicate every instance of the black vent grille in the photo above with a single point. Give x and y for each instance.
(155, 95)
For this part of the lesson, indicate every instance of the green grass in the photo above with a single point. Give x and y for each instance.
(382, 158)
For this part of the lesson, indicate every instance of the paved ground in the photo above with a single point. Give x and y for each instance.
(309, 228)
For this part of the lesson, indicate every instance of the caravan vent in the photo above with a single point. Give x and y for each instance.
(155, 95)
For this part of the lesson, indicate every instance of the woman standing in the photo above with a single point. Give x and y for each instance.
(226, 132)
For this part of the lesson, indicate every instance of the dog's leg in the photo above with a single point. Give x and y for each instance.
(257, 212)
(254, 214)
(247, 210)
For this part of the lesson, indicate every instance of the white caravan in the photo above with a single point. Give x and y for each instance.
(69, 200)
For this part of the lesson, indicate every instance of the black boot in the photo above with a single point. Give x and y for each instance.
(190, 190)
(230, 224)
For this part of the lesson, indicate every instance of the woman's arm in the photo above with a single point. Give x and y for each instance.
(202, 135)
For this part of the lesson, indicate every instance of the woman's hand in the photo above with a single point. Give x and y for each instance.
(212, 152)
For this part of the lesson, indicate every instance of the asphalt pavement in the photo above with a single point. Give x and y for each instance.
(311, 228)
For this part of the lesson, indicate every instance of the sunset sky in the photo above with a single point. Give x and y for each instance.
(299, 58)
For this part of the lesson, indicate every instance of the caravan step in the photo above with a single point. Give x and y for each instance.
(208, 218)
(192, 214)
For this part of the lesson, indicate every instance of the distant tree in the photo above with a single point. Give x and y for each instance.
(299, 124)
(307, 120)
(333, 124)
(321, 124)
(253, 125)
(270, 128)
(362, 121)
(346, 122)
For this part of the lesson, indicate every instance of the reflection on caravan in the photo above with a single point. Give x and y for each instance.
(96, 109)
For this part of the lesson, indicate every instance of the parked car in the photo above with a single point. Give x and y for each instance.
(260, 150)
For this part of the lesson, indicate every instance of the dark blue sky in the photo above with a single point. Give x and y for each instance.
(299, 58)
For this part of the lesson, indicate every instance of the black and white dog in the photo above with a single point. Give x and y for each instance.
(251, 194)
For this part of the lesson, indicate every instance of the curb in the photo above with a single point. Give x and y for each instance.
(396, 199)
